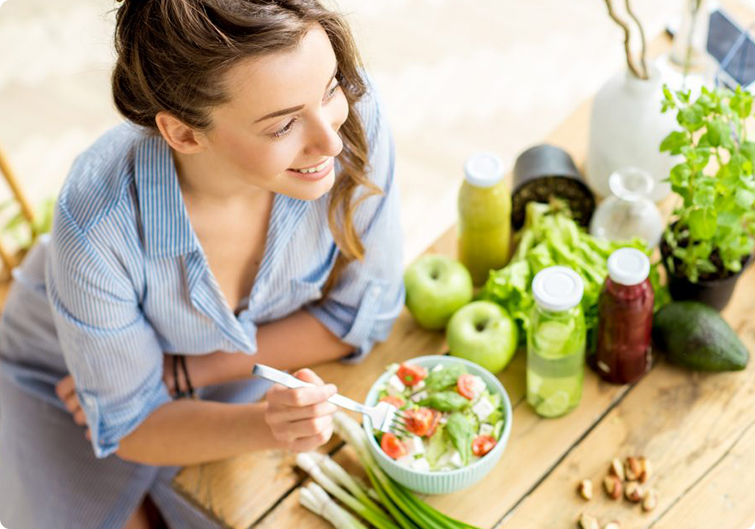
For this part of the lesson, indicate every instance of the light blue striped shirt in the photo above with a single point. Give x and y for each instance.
(123, 279)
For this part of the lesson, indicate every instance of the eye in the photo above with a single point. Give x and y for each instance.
(284, 130)
(332, 91)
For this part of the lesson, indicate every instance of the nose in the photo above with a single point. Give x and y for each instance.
(324, 139)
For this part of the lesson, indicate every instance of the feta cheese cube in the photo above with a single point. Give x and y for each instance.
(405, 461)
(415, 446)
(419, 396)
(483, 408)
(478, 386)
(443, 420)
(436, 368)
(419, 385)
(486, 429)
(421, 464)
(395, 386)
(445, 459)
(456, 459)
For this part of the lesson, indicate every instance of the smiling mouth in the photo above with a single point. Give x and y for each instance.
(313, 169)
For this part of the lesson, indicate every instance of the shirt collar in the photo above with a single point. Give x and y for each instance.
(165, 221)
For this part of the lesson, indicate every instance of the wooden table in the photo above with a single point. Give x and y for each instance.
(697, 429)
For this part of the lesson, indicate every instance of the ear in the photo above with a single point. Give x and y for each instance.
(181, 137)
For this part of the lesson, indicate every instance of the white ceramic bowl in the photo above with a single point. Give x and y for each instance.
(441, 482)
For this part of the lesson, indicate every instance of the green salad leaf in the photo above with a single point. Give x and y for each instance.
(445, 401)
(551, 237)
(461, 432)
(445, 377)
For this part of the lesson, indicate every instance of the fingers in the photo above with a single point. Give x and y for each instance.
(307, 375)
(280, 415)
(72, 403)
(65, 387)
(300, 397)
(310, 443)
(66, 392)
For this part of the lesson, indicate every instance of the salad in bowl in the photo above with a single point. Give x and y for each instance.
(457, 419)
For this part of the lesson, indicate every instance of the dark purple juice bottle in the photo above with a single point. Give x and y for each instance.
(625, 318)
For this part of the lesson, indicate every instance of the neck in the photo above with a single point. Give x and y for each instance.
(197, 177)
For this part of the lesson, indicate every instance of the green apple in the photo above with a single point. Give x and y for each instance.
(436, 287)
(484, 333)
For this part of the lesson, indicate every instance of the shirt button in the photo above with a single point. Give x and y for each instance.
(376, 290)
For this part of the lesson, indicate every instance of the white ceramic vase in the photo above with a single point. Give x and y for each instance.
(626, 130)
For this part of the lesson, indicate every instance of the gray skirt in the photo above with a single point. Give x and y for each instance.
(50, 478)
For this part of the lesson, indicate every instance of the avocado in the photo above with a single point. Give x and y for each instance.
(695, 336)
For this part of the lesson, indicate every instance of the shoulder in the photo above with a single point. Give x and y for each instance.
(99, 179)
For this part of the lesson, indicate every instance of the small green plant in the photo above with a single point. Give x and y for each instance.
(17, 227)
(715, 225)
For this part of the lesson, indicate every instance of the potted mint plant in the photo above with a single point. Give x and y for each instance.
(711, 239)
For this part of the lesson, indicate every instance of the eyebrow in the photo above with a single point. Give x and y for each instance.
(285, 111)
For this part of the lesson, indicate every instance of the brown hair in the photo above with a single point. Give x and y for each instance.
(172, 54)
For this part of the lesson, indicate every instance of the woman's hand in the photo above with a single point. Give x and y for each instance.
(301, 419)
(66, 392)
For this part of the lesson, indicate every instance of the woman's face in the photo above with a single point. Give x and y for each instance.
(279, 131)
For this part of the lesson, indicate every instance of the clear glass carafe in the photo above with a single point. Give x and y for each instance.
(628, 212)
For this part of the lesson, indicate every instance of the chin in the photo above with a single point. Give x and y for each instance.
(304, 190)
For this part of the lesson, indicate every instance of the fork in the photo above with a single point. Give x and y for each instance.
(384, 416)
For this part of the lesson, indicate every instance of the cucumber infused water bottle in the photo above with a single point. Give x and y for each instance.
(556, 342)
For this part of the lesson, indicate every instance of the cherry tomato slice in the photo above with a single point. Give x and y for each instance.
(410, 374)
(465, 385)
(419, 421)
(392, 446)
(392, 399)
(434, 424)
(483, 444)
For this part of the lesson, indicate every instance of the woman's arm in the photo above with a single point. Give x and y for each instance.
(293, 342)
(187, 432)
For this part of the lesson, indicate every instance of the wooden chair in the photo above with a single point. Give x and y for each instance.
(9, 258)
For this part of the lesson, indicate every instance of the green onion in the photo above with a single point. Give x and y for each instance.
(407, 509)
(314, 498)
(373, 515)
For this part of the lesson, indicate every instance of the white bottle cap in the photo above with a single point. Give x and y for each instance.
(483, 169)
(628, 266)
(557, 288)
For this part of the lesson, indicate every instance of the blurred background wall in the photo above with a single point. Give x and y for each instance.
(458, 76)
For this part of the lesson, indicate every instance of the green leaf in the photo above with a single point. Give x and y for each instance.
(691, 118)
(674, 142)
(702, 223)
(744, 198)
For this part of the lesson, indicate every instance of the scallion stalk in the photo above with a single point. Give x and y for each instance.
(408, 510)
(314, 498)
(376, 517)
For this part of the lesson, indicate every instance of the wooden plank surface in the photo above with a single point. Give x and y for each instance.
(694, 427)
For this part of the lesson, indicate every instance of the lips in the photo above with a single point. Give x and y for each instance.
(314, 172)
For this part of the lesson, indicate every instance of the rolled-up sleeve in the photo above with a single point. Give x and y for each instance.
(109, 347)
(363, 306)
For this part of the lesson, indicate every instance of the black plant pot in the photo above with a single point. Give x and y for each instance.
(715, 293)
(543, 172)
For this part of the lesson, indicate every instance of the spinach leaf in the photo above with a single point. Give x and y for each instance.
(444, 378)
(445, 401)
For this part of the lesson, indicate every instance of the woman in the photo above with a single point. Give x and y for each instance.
(246, 212)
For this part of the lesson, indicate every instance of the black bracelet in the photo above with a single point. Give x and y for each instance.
(186, 376)
(178, 393)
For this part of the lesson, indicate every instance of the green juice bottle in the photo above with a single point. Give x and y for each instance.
(556, 341)
(484, 217)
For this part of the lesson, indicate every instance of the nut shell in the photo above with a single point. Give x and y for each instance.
(649, 500)
(585, 489)
(588, 522)
(613, 487)
(633, 492)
